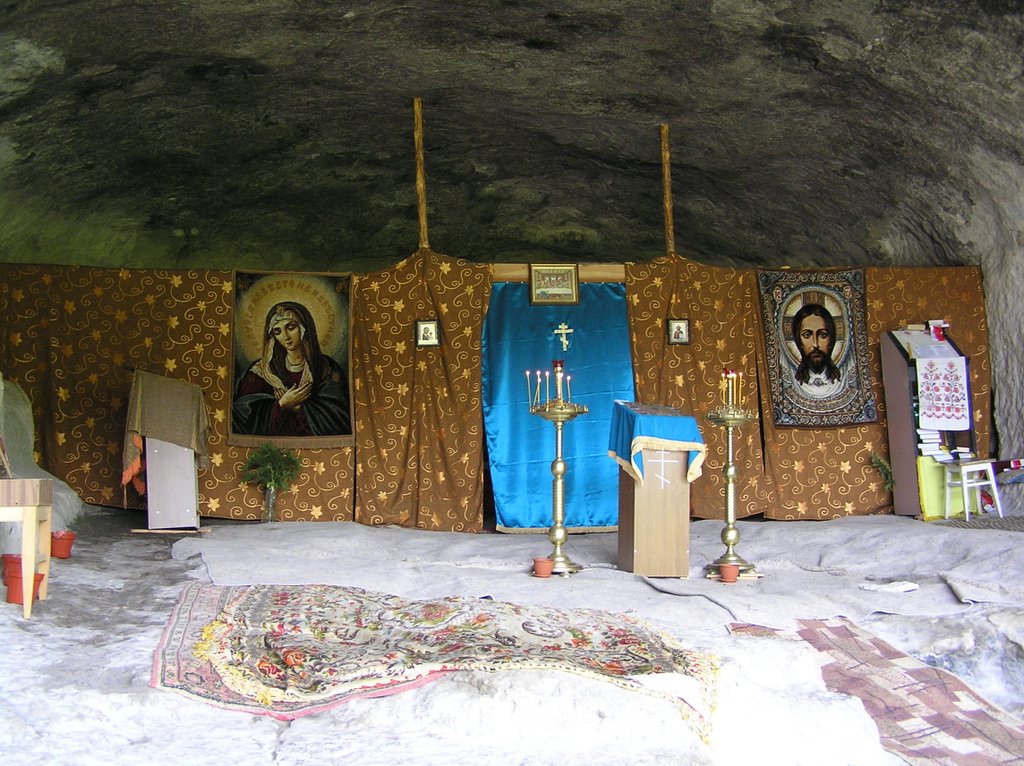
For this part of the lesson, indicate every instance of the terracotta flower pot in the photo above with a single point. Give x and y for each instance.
(12, 563)
(542, 567)
(61, 542)
(14, 588)
(729, 572)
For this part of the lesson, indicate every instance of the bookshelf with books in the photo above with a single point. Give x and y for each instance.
(928, 409)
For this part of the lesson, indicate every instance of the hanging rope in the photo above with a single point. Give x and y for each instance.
(421, 176)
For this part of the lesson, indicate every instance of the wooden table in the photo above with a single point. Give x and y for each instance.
(30, 502)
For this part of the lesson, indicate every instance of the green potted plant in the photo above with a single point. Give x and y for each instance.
(884, 468)
(271, 468)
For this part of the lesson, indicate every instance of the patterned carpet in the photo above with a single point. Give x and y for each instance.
(291, 650)
(925, 715)
(1010, 523)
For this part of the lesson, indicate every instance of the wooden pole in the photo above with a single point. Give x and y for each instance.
(421, 176)
(666, 186)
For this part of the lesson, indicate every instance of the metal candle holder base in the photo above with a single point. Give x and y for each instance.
(558, 411)
(730, 417)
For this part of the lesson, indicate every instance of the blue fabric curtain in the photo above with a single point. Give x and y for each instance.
(518, 337)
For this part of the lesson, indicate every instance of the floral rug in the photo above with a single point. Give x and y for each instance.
(291, 650)
(925, 715)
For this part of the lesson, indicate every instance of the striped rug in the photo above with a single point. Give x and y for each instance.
(925, 715)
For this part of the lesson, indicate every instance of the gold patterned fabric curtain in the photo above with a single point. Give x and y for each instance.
(418, 409)
(823, 473)
(721, 305)
(72, 337)
(897, 297)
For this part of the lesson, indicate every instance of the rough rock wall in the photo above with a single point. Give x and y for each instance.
(210, 134)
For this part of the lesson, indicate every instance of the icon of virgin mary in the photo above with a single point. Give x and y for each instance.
(294, 389)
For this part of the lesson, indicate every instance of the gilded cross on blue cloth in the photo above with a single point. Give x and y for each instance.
(564, 330)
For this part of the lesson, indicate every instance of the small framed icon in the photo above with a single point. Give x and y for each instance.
(678, 331)
(427, 333)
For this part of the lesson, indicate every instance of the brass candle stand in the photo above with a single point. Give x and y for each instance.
(559, 410)
(730, 416)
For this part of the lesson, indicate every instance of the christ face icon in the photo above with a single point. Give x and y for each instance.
(814, 333)
(815, 342)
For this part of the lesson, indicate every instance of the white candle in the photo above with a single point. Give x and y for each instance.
(528, 392)
(568, 388)
(537, 397)
(547, 386)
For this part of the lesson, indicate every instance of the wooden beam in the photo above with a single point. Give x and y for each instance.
(666, 190)
(589, 272)
(421, 175)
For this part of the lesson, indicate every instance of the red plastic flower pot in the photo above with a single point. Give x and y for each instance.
(11, 563)
(14, 595)
(61, 542)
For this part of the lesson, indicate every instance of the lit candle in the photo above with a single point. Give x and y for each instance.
(537, 397)
(739, 392)
(730, 381)
(558, 383)
(568, 388)
(547, 386)
(528, 391)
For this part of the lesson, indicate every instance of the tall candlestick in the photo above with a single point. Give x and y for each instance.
(558, 411)
(730, 416)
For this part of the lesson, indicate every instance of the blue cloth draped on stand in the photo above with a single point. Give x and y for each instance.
(518, 337)
(636, 427)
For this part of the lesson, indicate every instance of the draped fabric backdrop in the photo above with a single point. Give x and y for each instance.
(519, 337)
(721, 304)
(419, 456)
(823, 473)
(71, 334)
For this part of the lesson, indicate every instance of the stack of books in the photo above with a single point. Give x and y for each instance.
(930, 442)
(939, 445)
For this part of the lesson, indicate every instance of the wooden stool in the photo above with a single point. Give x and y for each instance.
(30, 501)
(971, 475)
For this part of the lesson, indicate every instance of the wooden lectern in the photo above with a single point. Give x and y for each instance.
(171, 416)
(659, 451)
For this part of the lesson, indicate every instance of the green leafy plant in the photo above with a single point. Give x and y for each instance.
(884, 468)
(271, 466)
